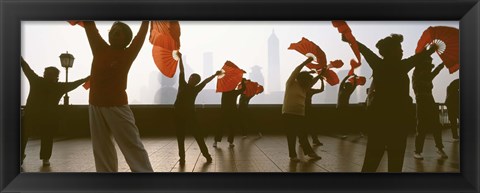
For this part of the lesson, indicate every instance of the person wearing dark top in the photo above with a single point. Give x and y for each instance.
(41, 110)
(229, 114)
(428, 119)
(453, 106)
(345, 90)
(245, 114)
(391, 109)
(312, 121)
(185, 116)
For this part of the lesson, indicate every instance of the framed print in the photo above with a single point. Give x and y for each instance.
(136, 96)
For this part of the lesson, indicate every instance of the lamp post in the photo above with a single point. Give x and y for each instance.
(67, 62)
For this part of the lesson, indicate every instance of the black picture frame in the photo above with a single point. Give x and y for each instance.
(13, 12)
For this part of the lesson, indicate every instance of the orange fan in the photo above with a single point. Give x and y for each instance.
(229, 79)
(252, 88)
(165, 34)
(345, 30)
(310, 49)
(165, 37)
(335, 64)
(331, 77)
(259, 89)
(360, 80)
(446, 39)
(80, 23)
(166, 60)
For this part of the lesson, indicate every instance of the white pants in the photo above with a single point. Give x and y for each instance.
(117, 121)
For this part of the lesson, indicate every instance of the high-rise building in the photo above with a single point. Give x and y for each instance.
(273, 84)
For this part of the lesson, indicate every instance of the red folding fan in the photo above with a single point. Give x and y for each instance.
(231, 76)
(259, 89)
(360, 80)
(165, 34)
(345, 30)
(252, 88)
(447, 41)
(310, 49)
(80, 23)
(335, 64)
(331, 77)
(165, 37)
(86, 85)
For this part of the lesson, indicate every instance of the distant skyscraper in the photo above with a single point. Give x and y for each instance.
(208, 67)
(273, 83)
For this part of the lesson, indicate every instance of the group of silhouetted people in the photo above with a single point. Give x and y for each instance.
(389, 105)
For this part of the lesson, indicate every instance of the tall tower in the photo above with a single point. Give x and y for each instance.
(273, 83)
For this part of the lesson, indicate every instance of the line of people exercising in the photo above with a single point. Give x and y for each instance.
(389, 106)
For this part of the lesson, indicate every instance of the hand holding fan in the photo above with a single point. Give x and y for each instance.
(446, 40)
(347, 36)
(310, 49)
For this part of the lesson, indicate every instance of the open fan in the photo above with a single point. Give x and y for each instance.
(165, 34)
(345, 30)
(231, 76)
(447, 41)
(252, 88)
(331, 77)
(165, 37)
(335, 64)
(80, 23)
(259, 89)
(310, 49)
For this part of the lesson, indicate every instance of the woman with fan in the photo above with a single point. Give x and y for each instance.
(293, 110)
(345, 90)
(185, 110)
(229, 113)
(427, 110)
(308, 108)
(391, 108)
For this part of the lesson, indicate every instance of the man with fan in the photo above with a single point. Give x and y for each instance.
(252, 89)
(185, 110)
(293, 110)
(391, 108)
(427, 110)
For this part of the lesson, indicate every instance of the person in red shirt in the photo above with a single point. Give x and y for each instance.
(109, 112)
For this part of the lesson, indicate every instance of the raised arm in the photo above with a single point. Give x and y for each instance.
(181, 78)
(437, 70)
(342, 84)
(244, 86)
(94, 39)
(297, 70)
(206, 81)
(371, 58)
(412, 61)
(67, 87)
(137, 42)
(29, 73)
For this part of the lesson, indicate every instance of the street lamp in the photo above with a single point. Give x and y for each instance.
(67, 62)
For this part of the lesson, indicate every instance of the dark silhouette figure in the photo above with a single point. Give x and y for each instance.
(391, 109)
(312, 120)
(453, 107)
(109, 113)
(293, 111)
(345, 90)
(41, 110)
(245, 114)
(185, 116)
(229, 114)
(428, 119)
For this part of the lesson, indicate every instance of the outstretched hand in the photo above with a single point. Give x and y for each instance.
(218, 73)
(309, 59)
(179, 54)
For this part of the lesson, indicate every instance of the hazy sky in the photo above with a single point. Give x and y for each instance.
(242, 42)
